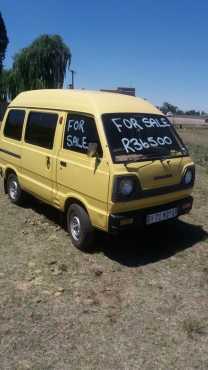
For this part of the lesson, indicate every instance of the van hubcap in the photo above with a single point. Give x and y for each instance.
(13, 189)
(75, 227)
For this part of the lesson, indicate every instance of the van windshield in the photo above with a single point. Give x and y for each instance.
(135, 136)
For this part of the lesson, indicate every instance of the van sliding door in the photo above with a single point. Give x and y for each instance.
(38, 157)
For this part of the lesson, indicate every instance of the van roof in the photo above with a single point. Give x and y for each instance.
(94, 102)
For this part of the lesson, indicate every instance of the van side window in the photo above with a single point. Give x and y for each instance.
(40, 129)
(80, 130)
(14, 124)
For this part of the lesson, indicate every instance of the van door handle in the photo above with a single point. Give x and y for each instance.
(63, 164)
(48, 162)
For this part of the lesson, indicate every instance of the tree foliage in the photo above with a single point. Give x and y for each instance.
(167, 107)
(4, 85)
(42, 65)
(9, 85)
(3, 42)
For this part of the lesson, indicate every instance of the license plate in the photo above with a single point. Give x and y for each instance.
(161, 216)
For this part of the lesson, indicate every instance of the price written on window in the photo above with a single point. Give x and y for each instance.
(126, 126)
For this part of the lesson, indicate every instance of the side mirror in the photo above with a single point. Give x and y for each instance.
(92, 149)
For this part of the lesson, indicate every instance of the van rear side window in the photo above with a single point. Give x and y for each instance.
(14, 124)
(41, 129)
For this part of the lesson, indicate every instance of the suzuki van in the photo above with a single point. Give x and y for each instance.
(107, 161)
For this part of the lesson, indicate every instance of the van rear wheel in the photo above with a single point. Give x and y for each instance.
(79, 227)
(14, 190)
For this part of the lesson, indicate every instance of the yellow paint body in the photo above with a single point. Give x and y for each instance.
(85, 179)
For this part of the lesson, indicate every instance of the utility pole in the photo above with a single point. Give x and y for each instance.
(72, 78)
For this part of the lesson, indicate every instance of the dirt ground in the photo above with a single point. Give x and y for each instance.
(140, 301)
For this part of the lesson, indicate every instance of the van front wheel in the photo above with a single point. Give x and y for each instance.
(14, 190)
(79, 227)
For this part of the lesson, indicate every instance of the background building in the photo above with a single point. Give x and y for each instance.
(123, 90)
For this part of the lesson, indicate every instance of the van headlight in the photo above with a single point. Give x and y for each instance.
(125, 188)
(189, 176)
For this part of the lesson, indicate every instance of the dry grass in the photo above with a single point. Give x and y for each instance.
(195, 326)
(197, 142)
(138, 302)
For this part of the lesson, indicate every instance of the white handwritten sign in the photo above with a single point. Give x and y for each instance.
(77, 137)
(80, 130)
(134, 144)
(139, 143)
(132, 123)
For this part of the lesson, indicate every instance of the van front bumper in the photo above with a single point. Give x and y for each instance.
(133, 219)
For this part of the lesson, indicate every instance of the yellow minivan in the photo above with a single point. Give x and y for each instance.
(108, 161)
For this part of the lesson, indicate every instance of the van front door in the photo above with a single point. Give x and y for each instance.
(80, 176)
(38, 154)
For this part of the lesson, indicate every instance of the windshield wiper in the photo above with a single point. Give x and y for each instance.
(157, 152)
(179, 152)
(152, 153)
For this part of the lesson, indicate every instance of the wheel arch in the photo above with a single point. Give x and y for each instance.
(8, 172)
(72, 200)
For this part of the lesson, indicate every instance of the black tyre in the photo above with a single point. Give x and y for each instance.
(14, 190)
(79, 227)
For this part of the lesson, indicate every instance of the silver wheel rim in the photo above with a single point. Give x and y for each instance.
(13, 189)
(75, 227)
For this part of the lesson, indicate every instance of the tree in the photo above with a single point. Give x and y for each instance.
(42, 65)
(3, 42)
(9, 85)
(4, 85)
(167, 107)
(192, 112)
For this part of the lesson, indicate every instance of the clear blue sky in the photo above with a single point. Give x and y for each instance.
(158, 46)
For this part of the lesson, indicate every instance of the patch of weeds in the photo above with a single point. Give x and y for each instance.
(204, 277)
(199, 154)
(194, 327)
(205, 270)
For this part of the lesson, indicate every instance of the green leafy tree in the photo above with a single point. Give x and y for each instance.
(3, 42)
(41, 65)
(10, 85)
(4, 85)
